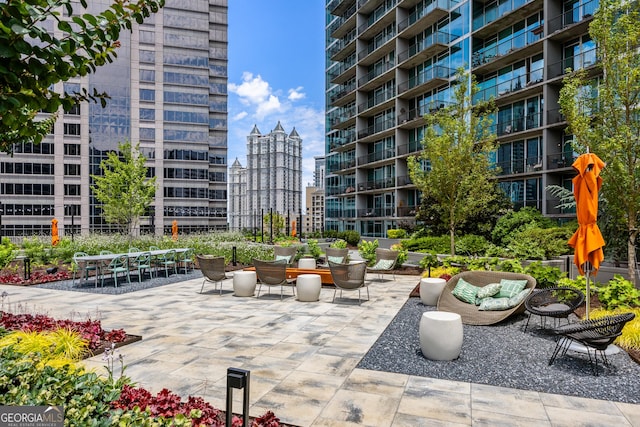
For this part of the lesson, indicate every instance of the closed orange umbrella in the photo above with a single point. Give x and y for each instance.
(174, 230)
(587, 240)
(54, 232)
(293, 228)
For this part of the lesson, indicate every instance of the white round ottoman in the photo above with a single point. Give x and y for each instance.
(307, 263)
(244, 283)
(440, 335)
(308, 287)
(430, 290)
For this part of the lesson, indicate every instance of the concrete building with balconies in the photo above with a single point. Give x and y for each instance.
(390, 62)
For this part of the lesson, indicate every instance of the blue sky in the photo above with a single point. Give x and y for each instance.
(276, 73)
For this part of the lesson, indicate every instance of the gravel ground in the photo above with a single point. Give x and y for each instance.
(123, 286)
(503, 355)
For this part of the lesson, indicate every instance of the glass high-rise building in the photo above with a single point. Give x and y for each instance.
(168, 92)
(390, 62)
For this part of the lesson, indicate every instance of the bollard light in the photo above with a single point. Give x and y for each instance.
(234, 256)
(237, 378)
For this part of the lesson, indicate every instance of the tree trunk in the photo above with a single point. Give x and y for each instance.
(631, 253)
(452, 241)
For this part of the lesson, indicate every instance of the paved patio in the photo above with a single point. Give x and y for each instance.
(302, 358)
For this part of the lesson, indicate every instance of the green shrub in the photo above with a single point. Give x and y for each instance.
(6, 252)
(396, 233)
(367, 250)
(352, 237)
(512, 222)
(471, 244)
(429, 261)
(403, 254)
(619, 292)
(539, 243)
(313, 248)
(546, 276)
(338, 244)
(511, 265)
(580, 283)
(432, 244)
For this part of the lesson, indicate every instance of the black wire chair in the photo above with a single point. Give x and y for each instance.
(594, 334)
(557, 303)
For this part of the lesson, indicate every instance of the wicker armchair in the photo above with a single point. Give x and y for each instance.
(385, 262)
(349, 277)
(272, 273)
(557, 303)
(594, 334)
(212, 268)
(280, 252)
(336, 255)
(470, 313)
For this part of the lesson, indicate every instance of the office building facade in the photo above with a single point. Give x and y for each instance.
(390, 62)
(168, 92)
(271, 181)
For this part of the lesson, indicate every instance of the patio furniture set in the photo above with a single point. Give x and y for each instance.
(308, 276)
(121, 265)
(441, 331)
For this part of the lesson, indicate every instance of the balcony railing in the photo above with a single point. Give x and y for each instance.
(339, 141)
(404, 211)
(375, 73)
(344, 66)
(376, 15)
(375, 212)
(519, 124)
(375, 44)
(377, 156)
(377, 185)
(555, 116)
(343, 91)
(439, 37)
(504, 88)
(379, 98)
(521, 165)
(585, 59)
(435, 72)
(418, 14)
(343, 42)
(496, 12)
(378, 127)
(560, 160)
(515, 42)
(404, 180)
(579, 13)
(411, 147)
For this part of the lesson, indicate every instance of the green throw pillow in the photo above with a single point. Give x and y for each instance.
(489, 290)
(285, 258)
(511, 288)
(465, 291)
(517, 300)
(494, 304)
(384, 264)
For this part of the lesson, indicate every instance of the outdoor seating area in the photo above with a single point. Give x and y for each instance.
(116, 268)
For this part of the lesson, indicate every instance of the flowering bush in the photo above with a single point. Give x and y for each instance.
(90, 330)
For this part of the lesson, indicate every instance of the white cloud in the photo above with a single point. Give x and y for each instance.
(269, 106)
(296, 94)
(241, 115)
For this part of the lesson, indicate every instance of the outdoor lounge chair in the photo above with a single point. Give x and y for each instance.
(212, 268)
(594, 334)
(272, 273)
(286, 253)
(337, 255)
(349, 277)
(385, 262)
(470, 313)
(557, 303)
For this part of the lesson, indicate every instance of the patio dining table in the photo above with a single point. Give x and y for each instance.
(102, 258)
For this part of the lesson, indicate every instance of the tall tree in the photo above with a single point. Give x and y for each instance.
(33, 58)
(608, 123)
(454, 168)
(124, 189)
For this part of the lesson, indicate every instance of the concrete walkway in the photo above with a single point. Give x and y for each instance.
(302, 358)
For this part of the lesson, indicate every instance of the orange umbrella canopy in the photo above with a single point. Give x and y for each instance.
(587, 240)
(54, 232)
(174, 230)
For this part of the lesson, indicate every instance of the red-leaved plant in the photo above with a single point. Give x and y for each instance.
(445, 276)
(90, 330)
(35, 278)
(168, 405)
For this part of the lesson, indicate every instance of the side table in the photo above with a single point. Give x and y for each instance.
(244, 283)
(440, 335)
(308, 287)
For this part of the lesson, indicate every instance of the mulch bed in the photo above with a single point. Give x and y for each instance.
(107, 344)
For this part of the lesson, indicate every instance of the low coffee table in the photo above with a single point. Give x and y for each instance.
(293, 273)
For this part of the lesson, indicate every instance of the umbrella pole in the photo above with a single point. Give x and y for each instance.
(587, 271)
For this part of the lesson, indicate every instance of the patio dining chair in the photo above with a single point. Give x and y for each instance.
(119, 264)
(272, 273)
(594, 334)
(212, 268)
(186, 260)
(141, 263)
(349, 277)
(83, 268)
(167, 261)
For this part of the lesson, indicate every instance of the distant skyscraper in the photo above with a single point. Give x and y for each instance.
(168, 89)
(272, 178)
(314, 199)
